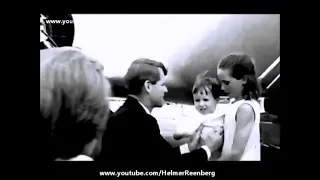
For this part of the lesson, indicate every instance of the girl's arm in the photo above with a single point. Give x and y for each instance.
(244, 124)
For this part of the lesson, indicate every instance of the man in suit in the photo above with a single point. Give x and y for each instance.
(133, 134)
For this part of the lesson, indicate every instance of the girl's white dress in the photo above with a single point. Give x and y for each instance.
(252, 150)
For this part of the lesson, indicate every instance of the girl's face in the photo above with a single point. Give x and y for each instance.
(229, 84)
(204, 101)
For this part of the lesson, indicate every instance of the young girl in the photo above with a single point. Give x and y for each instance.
(236, 73)
(206, 93)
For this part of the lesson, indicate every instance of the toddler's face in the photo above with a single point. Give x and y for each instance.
(204, 101)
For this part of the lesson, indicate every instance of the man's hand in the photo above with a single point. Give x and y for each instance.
(213, 139)
(180, 136)
(195, 140)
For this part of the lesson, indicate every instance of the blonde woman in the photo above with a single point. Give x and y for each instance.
(72, 100)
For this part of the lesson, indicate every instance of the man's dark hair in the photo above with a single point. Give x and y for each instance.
(241, 65)
(141, 70)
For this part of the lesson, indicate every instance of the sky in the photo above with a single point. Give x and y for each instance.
(117, 40)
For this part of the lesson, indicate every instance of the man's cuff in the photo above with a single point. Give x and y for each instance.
(184, 149)
(207, 151)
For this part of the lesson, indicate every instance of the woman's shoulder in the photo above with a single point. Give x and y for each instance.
(237, 106)
(249, 109)
(245, 104)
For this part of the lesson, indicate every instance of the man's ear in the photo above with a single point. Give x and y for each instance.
(147, 86)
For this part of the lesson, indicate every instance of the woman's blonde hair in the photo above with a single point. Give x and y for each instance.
(73, 93)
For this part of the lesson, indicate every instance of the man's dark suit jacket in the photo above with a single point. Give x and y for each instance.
(133, 136)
